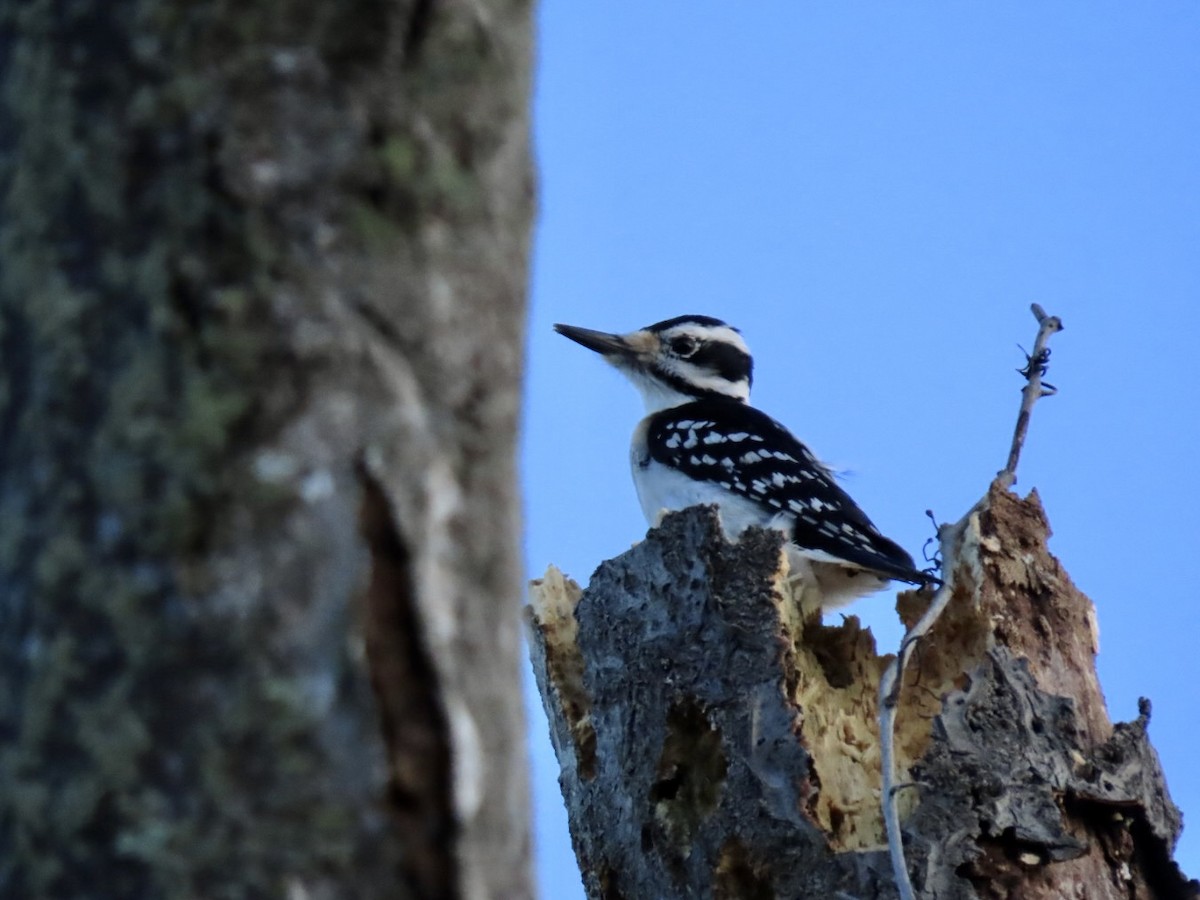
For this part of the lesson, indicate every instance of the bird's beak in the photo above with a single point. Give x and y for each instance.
(609, 345)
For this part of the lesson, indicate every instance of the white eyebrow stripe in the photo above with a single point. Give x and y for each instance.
(720, 333)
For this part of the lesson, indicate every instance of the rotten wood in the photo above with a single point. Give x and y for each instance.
(715, 744)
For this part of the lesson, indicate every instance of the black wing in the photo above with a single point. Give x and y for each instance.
(745, 451)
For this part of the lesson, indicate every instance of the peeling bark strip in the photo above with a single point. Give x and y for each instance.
(243, 246)
(733, 748)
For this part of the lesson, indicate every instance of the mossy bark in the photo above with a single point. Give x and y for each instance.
(262, 276)
(715, 744)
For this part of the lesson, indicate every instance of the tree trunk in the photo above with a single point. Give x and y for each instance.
(715, 745)
(262, 278)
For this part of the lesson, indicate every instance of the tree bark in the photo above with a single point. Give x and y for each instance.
(715, 745)
(262, 295)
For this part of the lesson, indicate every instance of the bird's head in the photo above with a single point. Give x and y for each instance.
(676, 361)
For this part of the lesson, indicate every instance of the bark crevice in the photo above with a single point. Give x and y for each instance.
(412, 720)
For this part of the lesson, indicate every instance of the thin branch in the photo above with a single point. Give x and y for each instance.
(889, 702)
(949, 540)
(1037, 363)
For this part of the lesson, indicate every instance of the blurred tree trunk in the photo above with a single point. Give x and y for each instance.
(714, 745)
(262, 281)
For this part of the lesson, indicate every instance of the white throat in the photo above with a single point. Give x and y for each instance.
(659, 396)
(656, 395)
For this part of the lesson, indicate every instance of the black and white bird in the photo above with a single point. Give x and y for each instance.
(702, 443)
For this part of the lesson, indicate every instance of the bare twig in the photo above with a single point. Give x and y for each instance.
(1036, 364)
(889, 701)
(949, 540)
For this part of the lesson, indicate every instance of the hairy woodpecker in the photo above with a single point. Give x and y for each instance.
(702, 443)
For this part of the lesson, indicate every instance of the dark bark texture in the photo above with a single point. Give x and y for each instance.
(715, 745)
(262, 295)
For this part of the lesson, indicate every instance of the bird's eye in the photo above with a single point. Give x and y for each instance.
(683, 346)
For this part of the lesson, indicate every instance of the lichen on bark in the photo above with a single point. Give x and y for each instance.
(188, 381)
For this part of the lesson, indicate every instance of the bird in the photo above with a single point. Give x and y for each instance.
(701, 442)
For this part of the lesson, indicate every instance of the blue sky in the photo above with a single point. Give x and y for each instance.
(874, 194)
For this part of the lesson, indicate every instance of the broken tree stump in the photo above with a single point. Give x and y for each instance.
(714, 744)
